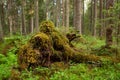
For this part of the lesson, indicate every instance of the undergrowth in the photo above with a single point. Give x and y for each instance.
(81, 71)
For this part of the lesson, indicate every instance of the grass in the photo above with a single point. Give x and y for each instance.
(74, 71)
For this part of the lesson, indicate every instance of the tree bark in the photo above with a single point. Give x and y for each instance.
(109, 29)
(23, 18)
(37, 15)
(63, 13)
(2, 13)
(83, 29)
(1, 31)
(66, 15)
(78, 15)
(101, 17)
(10, 16)
(47, 10)
(91, 17)
(118, 29)
(1, 27)
(32, 24)
(95, 18)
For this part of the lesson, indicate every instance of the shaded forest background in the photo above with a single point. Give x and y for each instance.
(23, 16)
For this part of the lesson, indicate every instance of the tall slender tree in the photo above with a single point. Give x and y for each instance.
(91, 16)
(1, 27)
(78, 15)
(23, 17)
(10, 20)
(63, 13)
(37, 15)
(109, 29)
(83, 8)
(101, 18)
(66, 15)
(95, 18)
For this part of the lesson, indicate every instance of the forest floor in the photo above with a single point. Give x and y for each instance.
(60, 70)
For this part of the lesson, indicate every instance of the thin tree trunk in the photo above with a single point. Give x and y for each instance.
(10, 17)
(104, 16)
(32, 24)
(58, 13)
(109, 29)
(23, 18)
(2, 13)
(95, 18)
(66, 15)
(37, 15)
(63, 13)
(91, 17)
(1, 31)
(83, 29)
(77, 15)
(1, 27)
(74, 14)
(47, 10)
(118, 29)
(101, 17)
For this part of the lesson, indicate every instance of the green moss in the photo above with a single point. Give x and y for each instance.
(40, 40)
(27, 56)
(47, 46)
(46, 26)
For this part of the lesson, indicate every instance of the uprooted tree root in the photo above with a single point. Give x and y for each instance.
(49, 46)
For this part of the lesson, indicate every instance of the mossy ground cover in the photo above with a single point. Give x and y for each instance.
(49, 43)
(49, 46)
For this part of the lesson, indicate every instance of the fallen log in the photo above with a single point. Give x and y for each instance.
(50, 46)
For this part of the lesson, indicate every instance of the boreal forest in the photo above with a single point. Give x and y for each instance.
(59, 39)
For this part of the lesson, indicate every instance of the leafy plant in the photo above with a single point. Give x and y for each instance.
(6, 64)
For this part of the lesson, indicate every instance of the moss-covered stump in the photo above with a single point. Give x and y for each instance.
(49, 46)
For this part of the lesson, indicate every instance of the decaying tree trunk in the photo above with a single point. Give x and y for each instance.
(49, 46)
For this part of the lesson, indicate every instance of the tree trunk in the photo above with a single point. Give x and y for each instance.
(78, 15)
(31, 24)
(2, 13)
(1, 27)
(104, 16)
(37, 15)
(95, 18)
(91, 17)
(1, 31)
(109, 29)
(83, 29)
(63, 13)
(66, 15)
(10, 16)
(47, 10)
(101, 17)
(118, 29)
(23, 18)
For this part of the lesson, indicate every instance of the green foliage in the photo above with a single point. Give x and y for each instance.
(84, 72)
(107, 71)
(6, 63)
(28, 75)
(88, 43)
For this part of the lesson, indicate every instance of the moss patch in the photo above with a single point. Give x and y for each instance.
(49, 46)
